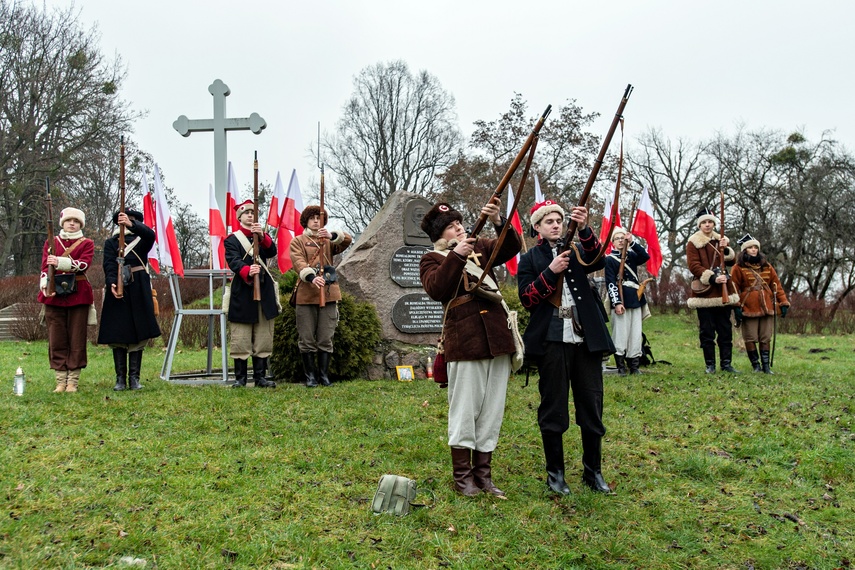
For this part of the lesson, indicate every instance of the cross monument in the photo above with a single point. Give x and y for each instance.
(219, 125)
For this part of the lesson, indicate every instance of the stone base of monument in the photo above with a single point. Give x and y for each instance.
(390, 354)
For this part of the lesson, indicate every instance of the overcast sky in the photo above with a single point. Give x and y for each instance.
(698, 67)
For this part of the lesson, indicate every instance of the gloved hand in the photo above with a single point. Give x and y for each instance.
(784, 309)
(737, 312)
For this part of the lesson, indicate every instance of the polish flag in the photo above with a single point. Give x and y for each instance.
(644, 226)
(166, 242)
(514, 217)
(276, 203)
(232, 199)
(149, 219)
(607, 213)
(289, 222)
(217, 232)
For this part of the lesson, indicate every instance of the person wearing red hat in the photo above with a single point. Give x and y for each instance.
(477, 339)
(567, 337)
(67, 311)
(251, 322)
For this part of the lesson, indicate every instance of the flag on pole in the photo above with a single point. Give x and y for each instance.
(538, 194)
(167, 244)
(514, 217)
(232, 199)
(289, 222)
(150, 220)
(276, 203)
(217, 232)
(644, 226)
(604, 230)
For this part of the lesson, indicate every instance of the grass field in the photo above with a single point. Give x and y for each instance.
(711, 471)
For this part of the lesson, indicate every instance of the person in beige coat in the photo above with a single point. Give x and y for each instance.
(312, 255)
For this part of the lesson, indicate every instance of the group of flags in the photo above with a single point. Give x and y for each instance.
(283, 214)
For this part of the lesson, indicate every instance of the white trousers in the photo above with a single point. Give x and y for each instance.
(476, 402)
(626, 332)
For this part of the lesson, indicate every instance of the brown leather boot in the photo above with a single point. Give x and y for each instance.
(61, 380)
(482, 472)
(461, 462)
(73, 378)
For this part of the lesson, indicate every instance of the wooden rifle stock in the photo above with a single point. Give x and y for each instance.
(571, 229)
(51, 270)
(724, 294)
(530, 142)
(256, 279)
(120, 258)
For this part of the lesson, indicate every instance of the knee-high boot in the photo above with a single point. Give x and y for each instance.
(553, 450)
(620, 361)
(461, 464)
(120, 363)
(754, 358)
(259, 367)
(324, 368)
(309, 369)
(134, 368)
(765, 362)
(240, 373)
(634, 363)
(483, 473)
(725, 353)
(709, 359)
(591, 458)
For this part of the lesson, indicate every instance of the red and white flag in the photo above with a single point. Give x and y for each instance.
(167, 244)
(217, 232)
(232, 199)
(289, 222)
(644, 226)
(538, 194)
(276, 203)
(604, 229)
(149, 219)
(514, 217)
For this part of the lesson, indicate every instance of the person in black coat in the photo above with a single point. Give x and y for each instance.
(128, 321)
(251, 322)
(567, 337)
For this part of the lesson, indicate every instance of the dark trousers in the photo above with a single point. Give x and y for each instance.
(67, 336)
(564, 367)
(712, 322)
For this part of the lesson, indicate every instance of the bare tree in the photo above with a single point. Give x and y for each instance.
(58, 101)
(397, 131)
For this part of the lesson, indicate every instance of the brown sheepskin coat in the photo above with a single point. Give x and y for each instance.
(701, 256)
(755, 294)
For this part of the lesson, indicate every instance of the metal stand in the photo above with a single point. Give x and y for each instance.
(213, 313)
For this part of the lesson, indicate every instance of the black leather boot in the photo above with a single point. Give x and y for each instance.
(709, 359)
(134, 367)
(259, 367)
(482, 472)
(765, 362)
(240, 373)
(309, 369)
(461, 465)
(754, 357)
(726, 352)
(324, 368)
(620, 361)
(553, 451)
(120, 363)
(591, 457)
(634, 363)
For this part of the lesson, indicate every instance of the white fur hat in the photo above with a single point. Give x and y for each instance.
(69, 213)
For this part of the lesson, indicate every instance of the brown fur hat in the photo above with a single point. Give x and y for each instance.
(438, 218)
(311, 211)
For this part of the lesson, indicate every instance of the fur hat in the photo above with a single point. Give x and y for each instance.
(705, 214)
(438, 218)
(311, 211)
(131, 214)
(747, 241)
(243, 207)
(539, 211)
(68, 213)
(618, 231)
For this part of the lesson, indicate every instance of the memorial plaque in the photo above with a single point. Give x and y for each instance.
(417, 313)
(404, 266)
(414, 212)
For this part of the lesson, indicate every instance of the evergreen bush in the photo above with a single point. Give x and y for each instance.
(357, 335)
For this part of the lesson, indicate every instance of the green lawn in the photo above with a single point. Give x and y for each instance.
(711, 471)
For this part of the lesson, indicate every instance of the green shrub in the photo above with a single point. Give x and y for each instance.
(356, 336)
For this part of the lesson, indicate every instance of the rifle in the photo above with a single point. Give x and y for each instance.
(322, 294)
(256, 279)
(120, 256)
(571, 229)
(623, 253)
(775, 323)
(724, 293)
(51, 285)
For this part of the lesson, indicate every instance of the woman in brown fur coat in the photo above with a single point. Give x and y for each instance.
(760, 295)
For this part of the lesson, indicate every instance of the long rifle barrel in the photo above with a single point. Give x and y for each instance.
(120, 258)
(51, 270)
(256, 280)
(532, 137)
